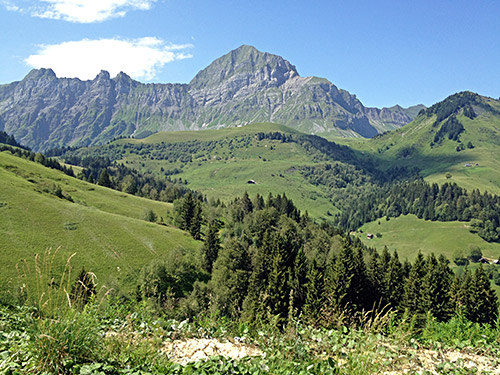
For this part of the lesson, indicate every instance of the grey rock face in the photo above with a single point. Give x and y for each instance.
(243, 86)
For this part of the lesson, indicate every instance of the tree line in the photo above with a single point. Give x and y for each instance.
(37, 158)
(448, 202)
(104, 172)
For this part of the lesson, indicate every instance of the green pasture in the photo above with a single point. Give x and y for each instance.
(105, 228)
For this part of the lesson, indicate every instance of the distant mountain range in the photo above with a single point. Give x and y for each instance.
(241, 87)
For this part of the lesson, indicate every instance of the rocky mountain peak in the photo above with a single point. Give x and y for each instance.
(103, 75)
(245, 65)
(122, 76)
(40, 74)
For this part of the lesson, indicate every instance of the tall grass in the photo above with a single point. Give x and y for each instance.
(62, 333)
(42, 288)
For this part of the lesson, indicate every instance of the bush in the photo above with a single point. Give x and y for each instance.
(460, 258)
(150, 216)
(475, 254)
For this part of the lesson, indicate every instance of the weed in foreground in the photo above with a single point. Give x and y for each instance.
(62, 331)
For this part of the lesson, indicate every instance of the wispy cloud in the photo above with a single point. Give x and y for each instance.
(79, 11)
(140, 58)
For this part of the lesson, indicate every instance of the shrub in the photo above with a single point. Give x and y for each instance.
(475, 254)
(150, 216)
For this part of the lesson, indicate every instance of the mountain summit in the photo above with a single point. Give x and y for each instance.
(245, 66)
(241, 87)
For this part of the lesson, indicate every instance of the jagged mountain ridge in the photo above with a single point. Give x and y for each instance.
(241, 87)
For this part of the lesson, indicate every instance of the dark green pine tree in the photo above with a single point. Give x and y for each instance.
(393, 284)
(413, 288)
(485, 302)
(187, 209)
(246, 204)
(278, 284)
(298, 282)
(259, 202)
(256, 299)
(104, 178)
(190, 215)
(230, 276)
(385, 259)
(195, 225)
(461, 291)
(211, 247)
(406, 268)
(340, 281)
(436, 287)
(314, 302)
(375, 277)
(363, 298)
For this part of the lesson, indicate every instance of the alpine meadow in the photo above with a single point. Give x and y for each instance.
(251, 221)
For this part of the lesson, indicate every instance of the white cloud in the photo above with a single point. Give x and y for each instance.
(79, 11)
(139, 58)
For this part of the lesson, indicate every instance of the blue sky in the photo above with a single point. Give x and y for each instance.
(385, 52)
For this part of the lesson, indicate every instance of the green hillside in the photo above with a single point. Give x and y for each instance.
(210, 134)
(105, 228)
(409, 235)
(220, 163)
(413, 145)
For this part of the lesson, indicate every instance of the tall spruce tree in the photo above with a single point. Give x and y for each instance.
(298, 282)
(461, 294)
(187, 211)
(211, 247)
(278, 284)
(246, 203)
(230, 276)
(340, 285)
(363, 298)
(393, 283)
(385, 259)
(254, 304)
(195, 225)
(104, 179)
(190, 215)
(413, 288)
(314, 302)
(436, 287)
(375, 275)
(485, 301)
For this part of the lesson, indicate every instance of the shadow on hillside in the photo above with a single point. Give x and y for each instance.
(427, 164)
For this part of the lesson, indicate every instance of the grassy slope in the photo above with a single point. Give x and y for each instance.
(409, 235)
(110, 238)
(436, 162)
(270, 163)
(210, 134)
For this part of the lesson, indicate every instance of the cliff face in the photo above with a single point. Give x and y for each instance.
(243, 86)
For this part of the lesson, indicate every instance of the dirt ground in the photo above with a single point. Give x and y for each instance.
(185, 351)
